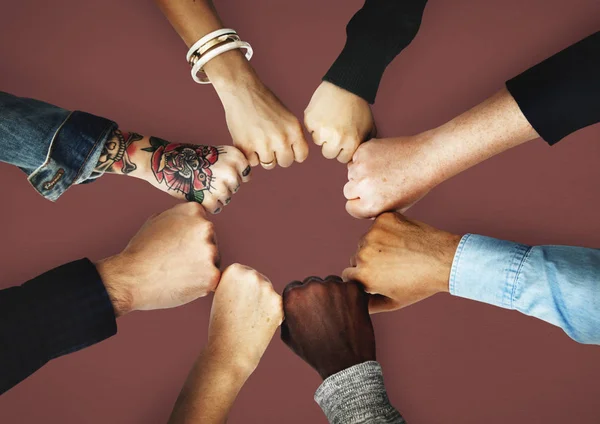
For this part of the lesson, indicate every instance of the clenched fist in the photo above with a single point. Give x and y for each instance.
(245, 313)
(327, 324)
(260, 124)
(172, 260)
(339, 121)
(389, 174)
(402, 262)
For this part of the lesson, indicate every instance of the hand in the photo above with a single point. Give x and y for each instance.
(327, 324)
(245, 313)
(338, 121)
(208, 175)
(172, 260)
(390, 174)
(260, 125)
(402, 261)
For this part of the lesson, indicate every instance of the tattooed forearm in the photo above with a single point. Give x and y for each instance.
(115, 156)
(184, 168)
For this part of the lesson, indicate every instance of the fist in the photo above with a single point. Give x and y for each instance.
(262, 127)
(172, 260)
(402, 261)
(245, 313)
(327, 324)
(338, 121)
(389, 174)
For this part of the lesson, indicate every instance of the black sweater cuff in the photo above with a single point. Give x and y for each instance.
(561, 94)
(61, 311)
(375, 35)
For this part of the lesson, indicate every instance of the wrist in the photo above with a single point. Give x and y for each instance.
(236, 367)
(230, 71)
(117, 284)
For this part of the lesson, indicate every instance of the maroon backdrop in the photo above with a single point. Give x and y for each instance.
(445, 359)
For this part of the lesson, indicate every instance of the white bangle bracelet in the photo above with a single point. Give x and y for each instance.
(207, 38)
(211, 54)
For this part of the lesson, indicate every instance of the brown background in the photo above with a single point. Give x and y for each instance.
(445, 359)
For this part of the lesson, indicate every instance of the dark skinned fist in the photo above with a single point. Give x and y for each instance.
(327, 324)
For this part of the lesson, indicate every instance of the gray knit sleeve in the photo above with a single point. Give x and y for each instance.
(357, 395)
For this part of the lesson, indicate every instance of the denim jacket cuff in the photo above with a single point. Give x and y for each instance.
(73, 154)
(486, 269)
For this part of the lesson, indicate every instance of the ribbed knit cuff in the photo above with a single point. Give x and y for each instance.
(357, 395)
(359, 68)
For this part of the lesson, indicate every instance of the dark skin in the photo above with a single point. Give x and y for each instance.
(327, 324)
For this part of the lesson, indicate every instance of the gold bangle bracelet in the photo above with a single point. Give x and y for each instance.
(210, 44)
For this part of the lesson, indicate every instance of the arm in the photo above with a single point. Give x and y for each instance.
(557, 284)
(245, 313)
(260, 125)
(75, 305)
(554, 98)
(327, 324)
(338, 115)
(58, 148)
(61, 311)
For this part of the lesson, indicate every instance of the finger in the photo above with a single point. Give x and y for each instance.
(267, 159)
(285, 156)
(351, 190)
(291, 286)
(242, 165)
(211, 200)
(232, 183)
(330, 150)
(345, 155)
(252, 159)
(350, 273)
(317, 136)
(356, 209)
(300, 149)
(379, 303)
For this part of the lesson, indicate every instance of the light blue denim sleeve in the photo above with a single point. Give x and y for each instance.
(557, 284)
(55, 147)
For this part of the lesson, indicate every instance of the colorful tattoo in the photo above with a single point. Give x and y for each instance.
(115, 155)
(184, 168)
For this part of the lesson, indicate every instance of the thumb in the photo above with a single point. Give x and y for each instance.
(379, 303)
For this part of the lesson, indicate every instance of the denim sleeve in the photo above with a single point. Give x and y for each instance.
(557, 284)
(55, 147)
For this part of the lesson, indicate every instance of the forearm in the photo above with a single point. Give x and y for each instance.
(209, 391)
(557, 284)
(357, 395)
(495, 125)
(61, 311)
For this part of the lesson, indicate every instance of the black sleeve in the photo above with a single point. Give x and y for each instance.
(375, 35)
(561, 94)
(61, 311)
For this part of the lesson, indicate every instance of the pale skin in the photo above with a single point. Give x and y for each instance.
(402, 261)
(393, 173)
(245, 313)
(338, 121)
(260, 125)
(172, 260)
(208, 175)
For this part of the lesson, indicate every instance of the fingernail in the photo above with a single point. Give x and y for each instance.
(217, 210)
(246, 171)
(227, 200)
(236, 189)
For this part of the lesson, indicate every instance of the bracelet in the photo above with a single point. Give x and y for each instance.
(216, 52)
(207, 38)
(209, 45)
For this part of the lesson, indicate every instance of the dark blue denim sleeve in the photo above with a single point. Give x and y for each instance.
(55, 147)
(61, 311)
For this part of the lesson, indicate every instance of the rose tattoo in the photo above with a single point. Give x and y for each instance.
(184, 168)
